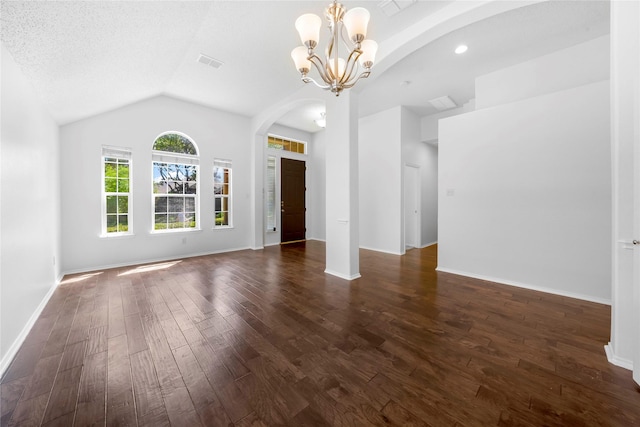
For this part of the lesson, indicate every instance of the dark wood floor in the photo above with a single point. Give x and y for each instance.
(258, 338)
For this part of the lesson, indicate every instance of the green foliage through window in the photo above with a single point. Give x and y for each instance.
(175, 143)
(116, 193)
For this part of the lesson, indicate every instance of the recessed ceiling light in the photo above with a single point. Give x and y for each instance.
(461, 49)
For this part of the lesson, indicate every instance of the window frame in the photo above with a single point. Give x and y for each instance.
(271, 196)
(117, 153)
(286, 144)
(227, 165)
(179, 160)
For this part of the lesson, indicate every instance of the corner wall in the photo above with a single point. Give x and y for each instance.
(30, 209)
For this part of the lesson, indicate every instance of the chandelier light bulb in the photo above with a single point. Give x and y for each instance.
(300, 58)
(369, 49)
(308, 26)
(356, 21)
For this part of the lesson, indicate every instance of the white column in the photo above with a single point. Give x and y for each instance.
(342, 186)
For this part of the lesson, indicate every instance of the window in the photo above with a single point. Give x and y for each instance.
(175, 183)
(116, 191)
(278, 143)
(271, 193)
(222, 192)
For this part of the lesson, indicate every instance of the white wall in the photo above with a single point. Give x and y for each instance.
(217, 134)
(381, 169)
(30, 207)
(571, 67)
(317, 228)
(525, 193)
(273, 237)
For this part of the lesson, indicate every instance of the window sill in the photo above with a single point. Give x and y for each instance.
(116, 236)
(224, 227)
(174, 231)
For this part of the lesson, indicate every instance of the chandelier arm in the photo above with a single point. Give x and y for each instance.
(351, 66)
(364, 75)
(308, 79)
(317, 62)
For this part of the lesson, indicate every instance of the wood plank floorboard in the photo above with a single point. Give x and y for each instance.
(265, 338)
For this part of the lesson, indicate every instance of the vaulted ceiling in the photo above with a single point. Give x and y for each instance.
(87, 57)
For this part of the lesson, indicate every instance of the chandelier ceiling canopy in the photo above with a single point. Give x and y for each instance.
(336, 72)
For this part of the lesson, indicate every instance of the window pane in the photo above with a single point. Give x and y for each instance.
(301, 148)
(160, 222)
(192, 173)
(190, 221)
(160, 187)
(217, 188)
(225, 204)
(190, 188)
(112, 204)
(159, 171)
(161, 204)
(172, 172)
(123, 170)
(123, 223)
(110, 185)
(225, 189)
(222, 218)
(218, 175)
(176, 204)
(175, 187)
(189, 204)
(110, 170)
(123, 204)
(112, 223)
(123, 185)
(175, 221)
(175, 143)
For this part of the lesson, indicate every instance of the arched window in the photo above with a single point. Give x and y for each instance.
(175, 183)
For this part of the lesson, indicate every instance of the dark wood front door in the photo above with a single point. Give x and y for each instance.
(292, 205)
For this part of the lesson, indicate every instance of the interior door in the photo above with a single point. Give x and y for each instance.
(292, 204)
(411, 206)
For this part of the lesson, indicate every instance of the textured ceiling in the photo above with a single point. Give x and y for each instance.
(87, 57)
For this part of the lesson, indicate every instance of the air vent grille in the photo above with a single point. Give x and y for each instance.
(207, 60)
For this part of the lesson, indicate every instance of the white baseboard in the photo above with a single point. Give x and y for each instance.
(527, 286)
(615, 360)
(17, 343)
(152, 260)
(380, 250)
(428, 244)
(343, 276)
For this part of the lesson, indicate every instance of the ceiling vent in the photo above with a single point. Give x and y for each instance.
(443, 103)
(207, 60)
(391, 7)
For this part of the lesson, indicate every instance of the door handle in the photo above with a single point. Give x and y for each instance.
(636, 242)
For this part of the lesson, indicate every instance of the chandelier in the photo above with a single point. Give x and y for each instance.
(336, 72)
